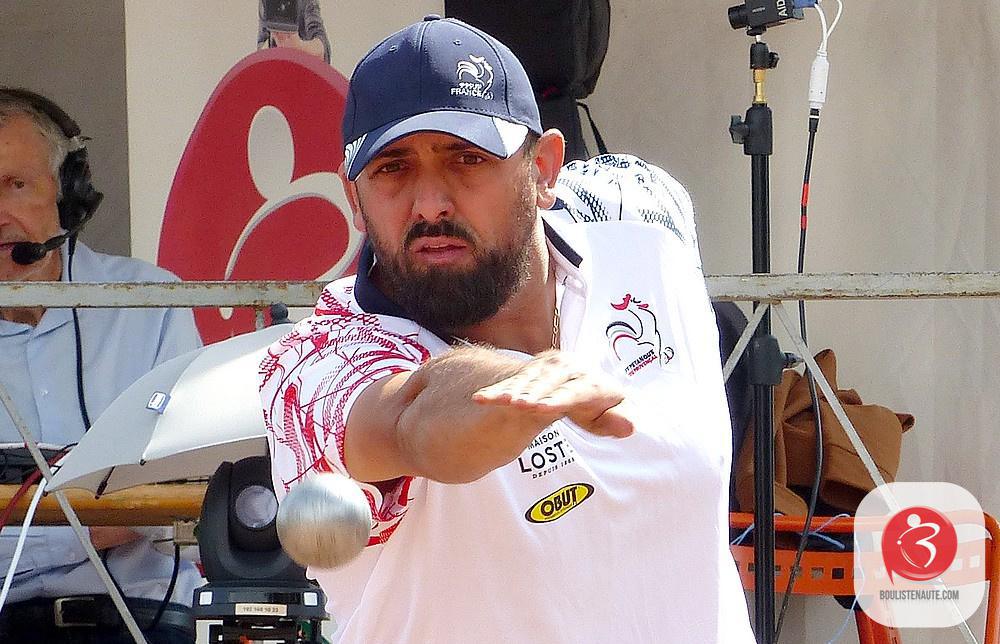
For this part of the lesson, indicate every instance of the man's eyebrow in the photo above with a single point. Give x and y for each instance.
(458, 145)
(462, 146)
(393, 153)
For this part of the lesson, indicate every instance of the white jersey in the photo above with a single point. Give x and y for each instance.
(581, 538)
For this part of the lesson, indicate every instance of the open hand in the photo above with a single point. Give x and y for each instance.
(549, 385)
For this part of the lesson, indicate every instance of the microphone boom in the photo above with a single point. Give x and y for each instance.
(25, 253)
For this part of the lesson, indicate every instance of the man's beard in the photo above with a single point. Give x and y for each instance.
(446, 300)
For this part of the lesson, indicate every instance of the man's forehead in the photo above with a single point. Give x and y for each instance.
(22, 129)
(17, 120)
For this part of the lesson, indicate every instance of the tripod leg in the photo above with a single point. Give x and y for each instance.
(741, 344)
(824, 385)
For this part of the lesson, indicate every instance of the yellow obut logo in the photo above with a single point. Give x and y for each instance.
(559, 502)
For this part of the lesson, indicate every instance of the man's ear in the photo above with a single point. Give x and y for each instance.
(351, 191)
(549, 154)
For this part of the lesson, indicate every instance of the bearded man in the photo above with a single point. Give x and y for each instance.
(523, 377)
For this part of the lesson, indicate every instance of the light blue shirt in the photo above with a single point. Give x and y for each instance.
(38, 368)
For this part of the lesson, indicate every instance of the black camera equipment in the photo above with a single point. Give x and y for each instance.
(16, 463)
(281, 15)
(766, 360)
(257, 591)
(757, 15)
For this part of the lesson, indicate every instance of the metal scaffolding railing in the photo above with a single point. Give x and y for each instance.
(761, 288)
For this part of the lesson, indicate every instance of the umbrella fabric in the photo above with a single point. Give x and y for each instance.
(213, 414)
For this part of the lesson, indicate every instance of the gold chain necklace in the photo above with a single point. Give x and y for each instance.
(555, 323)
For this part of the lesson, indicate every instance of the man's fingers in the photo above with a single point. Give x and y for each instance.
(543, 394)
(583, 399)
(549, 386)
(613, 422)
(525, 388)
(582, 396)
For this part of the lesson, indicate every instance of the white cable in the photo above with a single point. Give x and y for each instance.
(74, 521)
(823, 28)
(836, 19)
(29, 515)
(850, 611)
(819, 74)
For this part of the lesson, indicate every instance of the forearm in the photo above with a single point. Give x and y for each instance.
(448, 437)
(104, 537)
(428, 425)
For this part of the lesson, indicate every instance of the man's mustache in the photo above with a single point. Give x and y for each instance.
(442, 228)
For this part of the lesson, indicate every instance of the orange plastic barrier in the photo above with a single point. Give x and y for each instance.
(832, 573)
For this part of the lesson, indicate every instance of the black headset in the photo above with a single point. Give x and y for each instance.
(79, 197)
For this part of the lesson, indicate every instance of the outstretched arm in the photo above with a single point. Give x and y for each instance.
(462, 415)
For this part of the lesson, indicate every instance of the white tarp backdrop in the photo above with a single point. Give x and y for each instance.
(903, 178)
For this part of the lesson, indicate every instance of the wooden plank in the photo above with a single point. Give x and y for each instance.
(143, 505)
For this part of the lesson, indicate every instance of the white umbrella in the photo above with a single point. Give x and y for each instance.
(180, 420)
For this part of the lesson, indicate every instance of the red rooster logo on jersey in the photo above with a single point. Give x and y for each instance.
(637, 336)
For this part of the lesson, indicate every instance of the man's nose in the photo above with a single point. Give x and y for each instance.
(431, 197)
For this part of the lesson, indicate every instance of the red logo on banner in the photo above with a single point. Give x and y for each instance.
(919, 544)
(256, 195)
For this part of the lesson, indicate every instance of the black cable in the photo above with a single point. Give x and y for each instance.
(598, 139)
(79, 343)
(104, 560)
(86, 423)
(170, 588)
(79, 390)
(817, 422)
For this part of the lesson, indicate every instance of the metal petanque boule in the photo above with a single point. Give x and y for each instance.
(324, 521)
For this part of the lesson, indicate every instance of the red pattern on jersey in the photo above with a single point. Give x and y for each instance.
(312, 375)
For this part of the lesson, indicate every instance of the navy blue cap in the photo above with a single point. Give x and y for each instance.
(438, 75)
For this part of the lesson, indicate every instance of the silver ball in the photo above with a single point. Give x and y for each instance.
(324, 521)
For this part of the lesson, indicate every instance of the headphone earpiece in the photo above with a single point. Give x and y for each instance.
(79, 197)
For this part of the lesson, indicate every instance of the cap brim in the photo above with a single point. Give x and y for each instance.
(498, 137)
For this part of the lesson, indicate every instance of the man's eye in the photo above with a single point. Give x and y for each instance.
(470, 158)
(17, 183)
(388, 168)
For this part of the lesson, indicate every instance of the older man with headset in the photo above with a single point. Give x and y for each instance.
(62, 368)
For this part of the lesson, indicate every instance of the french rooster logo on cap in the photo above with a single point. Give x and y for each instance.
(475, 78)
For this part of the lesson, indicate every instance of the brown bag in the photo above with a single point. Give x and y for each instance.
(844, 480)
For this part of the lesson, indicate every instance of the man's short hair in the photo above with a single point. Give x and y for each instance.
(58, 143)
(530, 144)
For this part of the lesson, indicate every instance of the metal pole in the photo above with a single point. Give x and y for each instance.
(754, 131)
(763, 408)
